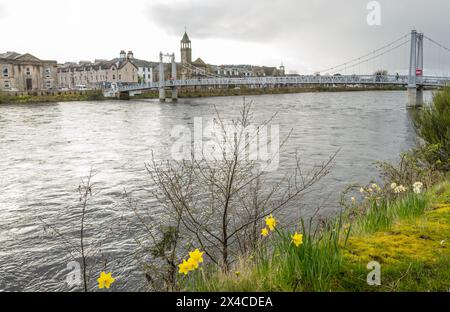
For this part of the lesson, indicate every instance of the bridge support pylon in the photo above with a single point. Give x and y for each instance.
(415, 97)
(162, 90)
(173, 78)
(415, 93)
(162, 94)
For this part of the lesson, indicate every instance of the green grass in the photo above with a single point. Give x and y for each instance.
(51, 98)
(382, 213)
(409, 236)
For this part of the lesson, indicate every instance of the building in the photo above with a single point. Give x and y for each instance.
(25, 72)
(102, 73)
(192, 69)
(199, 69)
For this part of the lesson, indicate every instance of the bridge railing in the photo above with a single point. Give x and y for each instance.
(290, 80)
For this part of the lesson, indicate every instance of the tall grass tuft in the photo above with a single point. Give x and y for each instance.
(381, 214)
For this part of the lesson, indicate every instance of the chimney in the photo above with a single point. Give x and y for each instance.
(122, 55)
(130, 55)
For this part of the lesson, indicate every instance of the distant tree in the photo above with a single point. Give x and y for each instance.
(381, 72)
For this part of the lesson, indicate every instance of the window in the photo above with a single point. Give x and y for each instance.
(47, 72)
(28, 71)
(48, 84)
(114, 77)
(5, 72)
(120, 77)
(6, 84)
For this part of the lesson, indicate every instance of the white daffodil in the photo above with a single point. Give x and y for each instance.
(417, 187)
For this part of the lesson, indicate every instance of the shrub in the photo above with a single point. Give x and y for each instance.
(432, 125)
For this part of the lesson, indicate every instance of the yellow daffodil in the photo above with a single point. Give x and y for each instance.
(193, 264)
(393, 185)
(196, 255)
(264, 232)
(105, 280)
(271, 222)
(184, 267)
(353, 199)
(297, 239)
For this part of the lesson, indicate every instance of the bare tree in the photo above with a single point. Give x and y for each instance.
(219, 202)
(82, 250)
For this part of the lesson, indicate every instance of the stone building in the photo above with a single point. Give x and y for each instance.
(192, 69)
(25, 72)
(102, 73)
(199, 69)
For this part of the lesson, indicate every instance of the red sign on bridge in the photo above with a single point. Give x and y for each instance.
(419, 72)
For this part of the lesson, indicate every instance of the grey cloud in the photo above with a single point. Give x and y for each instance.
(260, 20)
(329, 31)
(324, 21)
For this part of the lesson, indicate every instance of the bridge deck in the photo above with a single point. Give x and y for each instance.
(290, 80)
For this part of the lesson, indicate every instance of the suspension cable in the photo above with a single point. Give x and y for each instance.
(437, 43)
(361, 57)
(376, 56)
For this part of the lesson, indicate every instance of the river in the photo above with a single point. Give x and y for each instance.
(46, 149)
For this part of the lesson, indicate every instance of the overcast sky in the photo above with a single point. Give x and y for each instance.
(307, 35)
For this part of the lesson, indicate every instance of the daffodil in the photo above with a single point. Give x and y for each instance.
(400, 189)
(361, 190)
(297, 239)
(264, 232)
(105, 280)
(353, 200)
(196, 255)
(271, 222)
(393, 185)
(417, 187)
(193, 264)
(184, 267)
(376, 187)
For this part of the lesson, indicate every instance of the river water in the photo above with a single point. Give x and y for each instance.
(46, 149)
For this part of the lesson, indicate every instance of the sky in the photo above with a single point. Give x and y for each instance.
(305, 35)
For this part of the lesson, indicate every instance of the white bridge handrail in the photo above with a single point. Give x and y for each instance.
(291, 80)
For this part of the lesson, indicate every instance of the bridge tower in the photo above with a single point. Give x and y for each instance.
(162, 77)
(415, 94)
(174, 77)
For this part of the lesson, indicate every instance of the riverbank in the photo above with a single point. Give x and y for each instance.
(50, 97)
(70, 96)
(412, 252)
(244, 91)
(390, 236)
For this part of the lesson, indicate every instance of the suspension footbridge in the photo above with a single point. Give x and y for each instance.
(414, 79)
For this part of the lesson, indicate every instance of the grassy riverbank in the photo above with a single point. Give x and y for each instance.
(390, 236)
(244, 91)
(183, 93)
(408, 236)
(52, 97)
